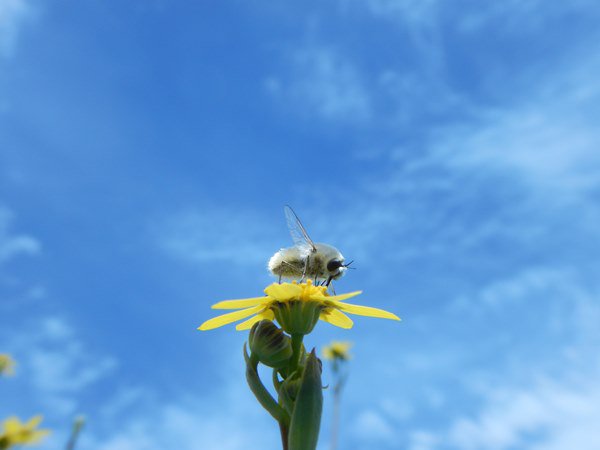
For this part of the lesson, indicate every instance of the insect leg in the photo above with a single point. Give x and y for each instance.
(291, 266)
(328, 284)
(305, 268)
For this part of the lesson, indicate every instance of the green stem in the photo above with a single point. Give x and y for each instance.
(297, 351)
(284, 435)
(260, 391)
(336, 416)
(337, 394)
(72, 441)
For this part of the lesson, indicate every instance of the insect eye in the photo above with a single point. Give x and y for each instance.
(334, 264)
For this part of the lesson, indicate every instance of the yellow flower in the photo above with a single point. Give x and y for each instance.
(7, 364)
(337, 350)
(16, 433)
(330, 308)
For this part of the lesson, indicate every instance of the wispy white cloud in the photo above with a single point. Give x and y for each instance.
(324, 82)
(550, 140)
(508, 174)
(538, 396)
(422, 440)
(218, 235)
(56, 363)
(13, 245)
(373, 426)
(530, 282)
(518, 15)
(509, 15)
(225, 417)
(546, 140)
(337, 82)
(13, 14)
(543, 415)
(411, 10)
(536, 390)
(189, 425)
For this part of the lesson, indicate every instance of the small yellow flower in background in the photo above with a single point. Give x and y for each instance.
(339, 350)
(331, 308)
(16, 433)
(7, 364)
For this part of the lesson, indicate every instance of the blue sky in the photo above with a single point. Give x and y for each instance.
(451, 148)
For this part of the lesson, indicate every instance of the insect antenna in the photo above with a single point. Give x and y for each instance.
(347, 266)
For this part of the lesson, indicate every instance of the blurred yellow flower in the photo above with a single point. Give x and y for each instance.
(7, 364)
(339, 350)
(16, 433)
(331, 308)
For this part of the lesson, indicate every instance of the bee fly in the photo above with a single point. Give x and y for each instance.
(306, 259)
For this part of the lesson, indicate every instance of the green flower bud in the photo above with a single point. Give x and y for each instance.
(288, 391)
(269, 344)
(297, 317)
(308, 405)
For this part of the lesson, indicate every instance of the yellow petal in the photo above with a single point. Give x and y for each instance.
(34, 421)
(342, 297)
(247, 324)
(224, 319)
(239, 304)
(283, 291)
(336, 298)
(12, 425)
(337, 318)
(37, 436)
(366, 311)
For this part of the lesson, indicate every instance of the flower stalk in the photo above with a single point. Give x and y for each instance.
(338, 354)
(78, 425)
(297, 402)
(260, 391)
(296, 351)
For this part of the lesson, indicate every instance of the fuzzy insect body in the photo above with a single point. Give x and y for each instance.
(294, 263)
(321, 262)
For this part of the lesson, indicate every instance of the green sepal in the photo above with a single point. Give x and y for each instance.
(297, 317)
(260, 391)
(306, 417)
(288, 391)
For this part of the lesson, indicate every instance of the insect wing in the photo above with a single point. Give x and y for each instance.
(298, 232)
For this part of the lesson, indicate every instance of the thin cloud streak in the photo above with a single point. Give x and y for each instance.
(13, 245)
(13, 14)
(322, 81)
(56, 364)
(216, 235)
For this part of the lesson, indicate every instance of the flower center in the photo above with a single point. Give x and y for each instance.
(309, 290)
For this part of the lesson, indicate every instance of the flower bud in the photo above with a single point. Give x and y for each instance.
(308, 406)
(269, 344)
(288, 391)
(297, 316)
